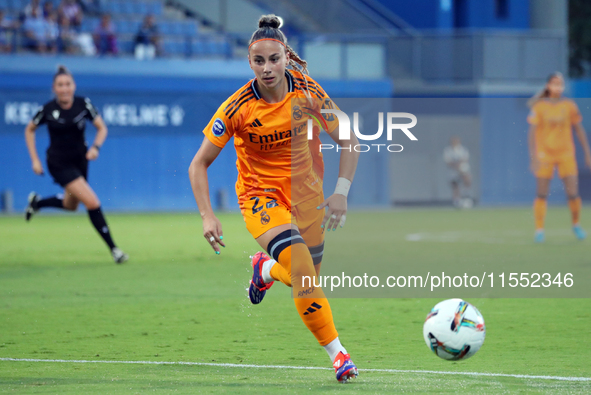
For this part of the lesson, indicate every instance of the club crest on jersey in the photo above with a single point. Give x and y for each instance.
(55, 114)
(296, 112)
(219, 128)
(265, 218)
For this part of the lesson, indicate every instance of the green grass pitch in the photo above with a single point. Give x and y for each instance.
(62, 298)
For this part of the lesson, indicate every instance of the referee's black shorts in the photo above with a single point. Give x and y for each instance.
(64, 170)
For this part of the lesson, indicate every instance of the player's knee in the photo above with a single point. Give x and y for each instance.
(71, 206)
(283, 240)
(572, 196)
(542, 196)
(92, 204)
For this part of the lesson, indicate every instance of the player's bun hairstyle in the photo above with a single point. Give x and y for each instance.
(269, 28)
(61, 70)
(544, 92)
(270, 20)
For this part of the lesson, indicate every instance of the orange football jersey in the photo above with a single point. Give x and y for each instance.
(554, 122)
(275, 157)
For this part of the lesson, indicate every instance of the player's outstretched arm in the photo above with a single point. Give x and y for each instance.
(30, 140)
(582, 136)
(212, 227)
(336, 204)
(99, 139)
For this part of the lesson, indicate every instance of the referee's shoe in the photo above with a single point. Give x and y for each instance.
(119, 256)
(32, 206)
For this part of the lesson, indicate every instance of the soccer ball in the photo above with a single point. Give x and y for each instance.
(454, 330)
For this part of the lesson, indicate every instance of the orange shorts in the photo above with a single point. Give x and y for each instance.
(263, 213)
(567, 166)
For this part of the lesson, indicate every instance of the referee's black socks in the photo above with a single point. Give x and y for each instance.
(52, 201)
(100, 224)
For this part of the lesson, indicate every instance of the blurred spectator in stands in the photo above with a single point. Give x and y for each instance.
(91, 7)
(68, 38)
(33, 5)
(35, 31)
(6, 30)
(51, 32)
(147, 39)
(71, 10)
(47, 9)
(104, 36)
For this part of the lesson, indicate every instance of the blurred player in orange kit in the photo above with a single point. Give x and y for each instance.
(551, 146)
(280, 177)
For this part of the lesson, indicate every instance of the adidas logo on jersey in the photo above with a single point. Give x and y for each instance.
(256, 123)
(314, 307)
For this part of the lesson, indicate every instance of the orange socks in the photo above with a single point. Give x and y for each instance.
(541, 205)
(540, 208)
(280, 273)
(310, 302)
(575, 209)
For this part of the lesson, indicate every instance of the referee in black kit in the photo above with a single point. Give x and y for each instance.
(68, 154)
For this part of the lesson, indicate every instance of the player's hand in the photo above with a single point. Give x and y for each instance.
(336, 211)
(37, 167)
(92, 153)
(534, 165)
(212, 231)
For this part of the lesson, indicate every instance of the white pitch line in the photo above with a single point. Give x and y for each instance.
(236, 365)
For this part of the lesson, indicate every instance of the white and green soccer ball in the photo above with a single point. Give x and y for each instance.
(454, 330)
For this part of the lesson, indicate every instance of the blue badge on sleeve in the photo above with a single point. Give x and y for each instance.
(218, 128)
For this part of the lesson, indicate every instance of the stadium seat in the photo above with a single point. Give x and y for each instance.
(126, 46)
(134, 26)
(120, 26)
(176, 28)
(211, 48)
(164, 28)
(127, 8)
(155, 7)
(141, 8)
(190, 29)
(169, 47)
(89, 24)
(113, 8)
(17, 5)
(178, 48)
(197, 48)
(183, 48)
(226, 48)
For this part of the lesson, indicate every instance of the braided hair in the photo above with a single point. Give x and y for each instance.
(544, 92)
(269, 28)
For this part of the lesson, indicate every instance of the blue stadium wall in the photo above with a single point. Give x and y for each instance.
(474, 14)
(155, 112)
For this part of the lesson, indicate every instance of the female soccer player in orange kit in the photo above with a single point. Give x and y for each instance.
(551, 145)
(279, 183)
